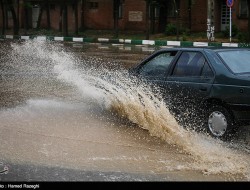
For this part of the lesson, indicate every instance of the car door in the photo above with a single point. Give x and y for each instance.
(189, 81)
(154, 70)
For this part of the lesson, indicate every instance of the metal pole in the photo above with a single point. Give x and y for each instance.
(230, 24)
(147, 19)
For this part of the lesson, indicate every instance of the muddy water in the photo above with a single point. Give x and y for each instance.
(75, 107)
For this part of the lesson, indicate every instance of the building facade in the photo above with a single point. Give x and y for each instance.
(125, 15)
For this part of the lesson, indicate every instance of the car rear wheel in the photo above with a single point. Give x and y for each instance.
(219, 122)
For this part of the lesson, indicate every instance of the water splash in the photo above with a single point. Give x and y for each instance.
(115, 90)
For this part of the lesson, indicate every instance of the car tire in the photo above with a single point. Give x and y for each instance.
(219, 122)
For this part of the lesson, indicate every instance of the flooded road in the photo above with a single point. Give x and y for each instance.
(72, 112)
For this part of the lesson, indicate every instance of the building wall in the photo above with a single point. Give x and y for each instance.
(217, 19)
(100, 18)
(199, 16)
(55, 18)
(242, 23)
(134, 16)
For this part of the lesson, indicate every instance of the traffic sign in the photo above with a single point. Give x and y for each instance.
(230, 3)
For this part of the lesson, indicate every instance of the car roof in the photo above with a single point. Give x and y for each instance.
(216, 49)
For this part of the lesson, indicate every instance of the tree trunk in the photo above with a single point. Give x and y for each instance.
(45, 6)
(116, 4)
(190, 14)
(82, 16)
(3, 16)
(152, 18)
(65, 19)
(18, 14)
(76, 16)
(48, 14)
(26, 18)
(147, 19)
(162, 17)
(177, 19)
(15, 22)
(40, 16)
(61, 18)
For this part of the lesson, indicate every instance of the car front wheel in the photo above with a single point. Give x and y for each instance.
(219, 122)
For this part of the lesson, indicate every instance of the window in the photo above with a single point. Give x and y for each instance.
(243, 9)
(190, 64)
(238, 61)
(158, 66)
(207, 71)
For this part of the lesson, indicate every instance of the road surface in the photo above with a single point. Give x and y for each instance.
(69, 112)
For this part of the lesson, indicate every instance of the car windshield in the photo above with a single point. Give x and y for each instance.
(237, 60)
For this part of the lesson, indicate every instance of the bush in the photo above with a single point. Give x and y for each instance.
(243, 37)
(235, 31)
(171, 30)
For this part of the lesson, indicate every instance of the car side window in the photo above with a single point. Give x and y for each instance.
(189, 64)
(207, 71)
(157, 66)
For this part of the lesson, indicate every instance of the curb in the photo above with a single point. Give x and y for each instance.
(127, 41)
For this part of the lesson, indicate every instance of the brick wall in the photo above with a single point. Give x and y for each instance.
(102, 17)
(199, 16)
